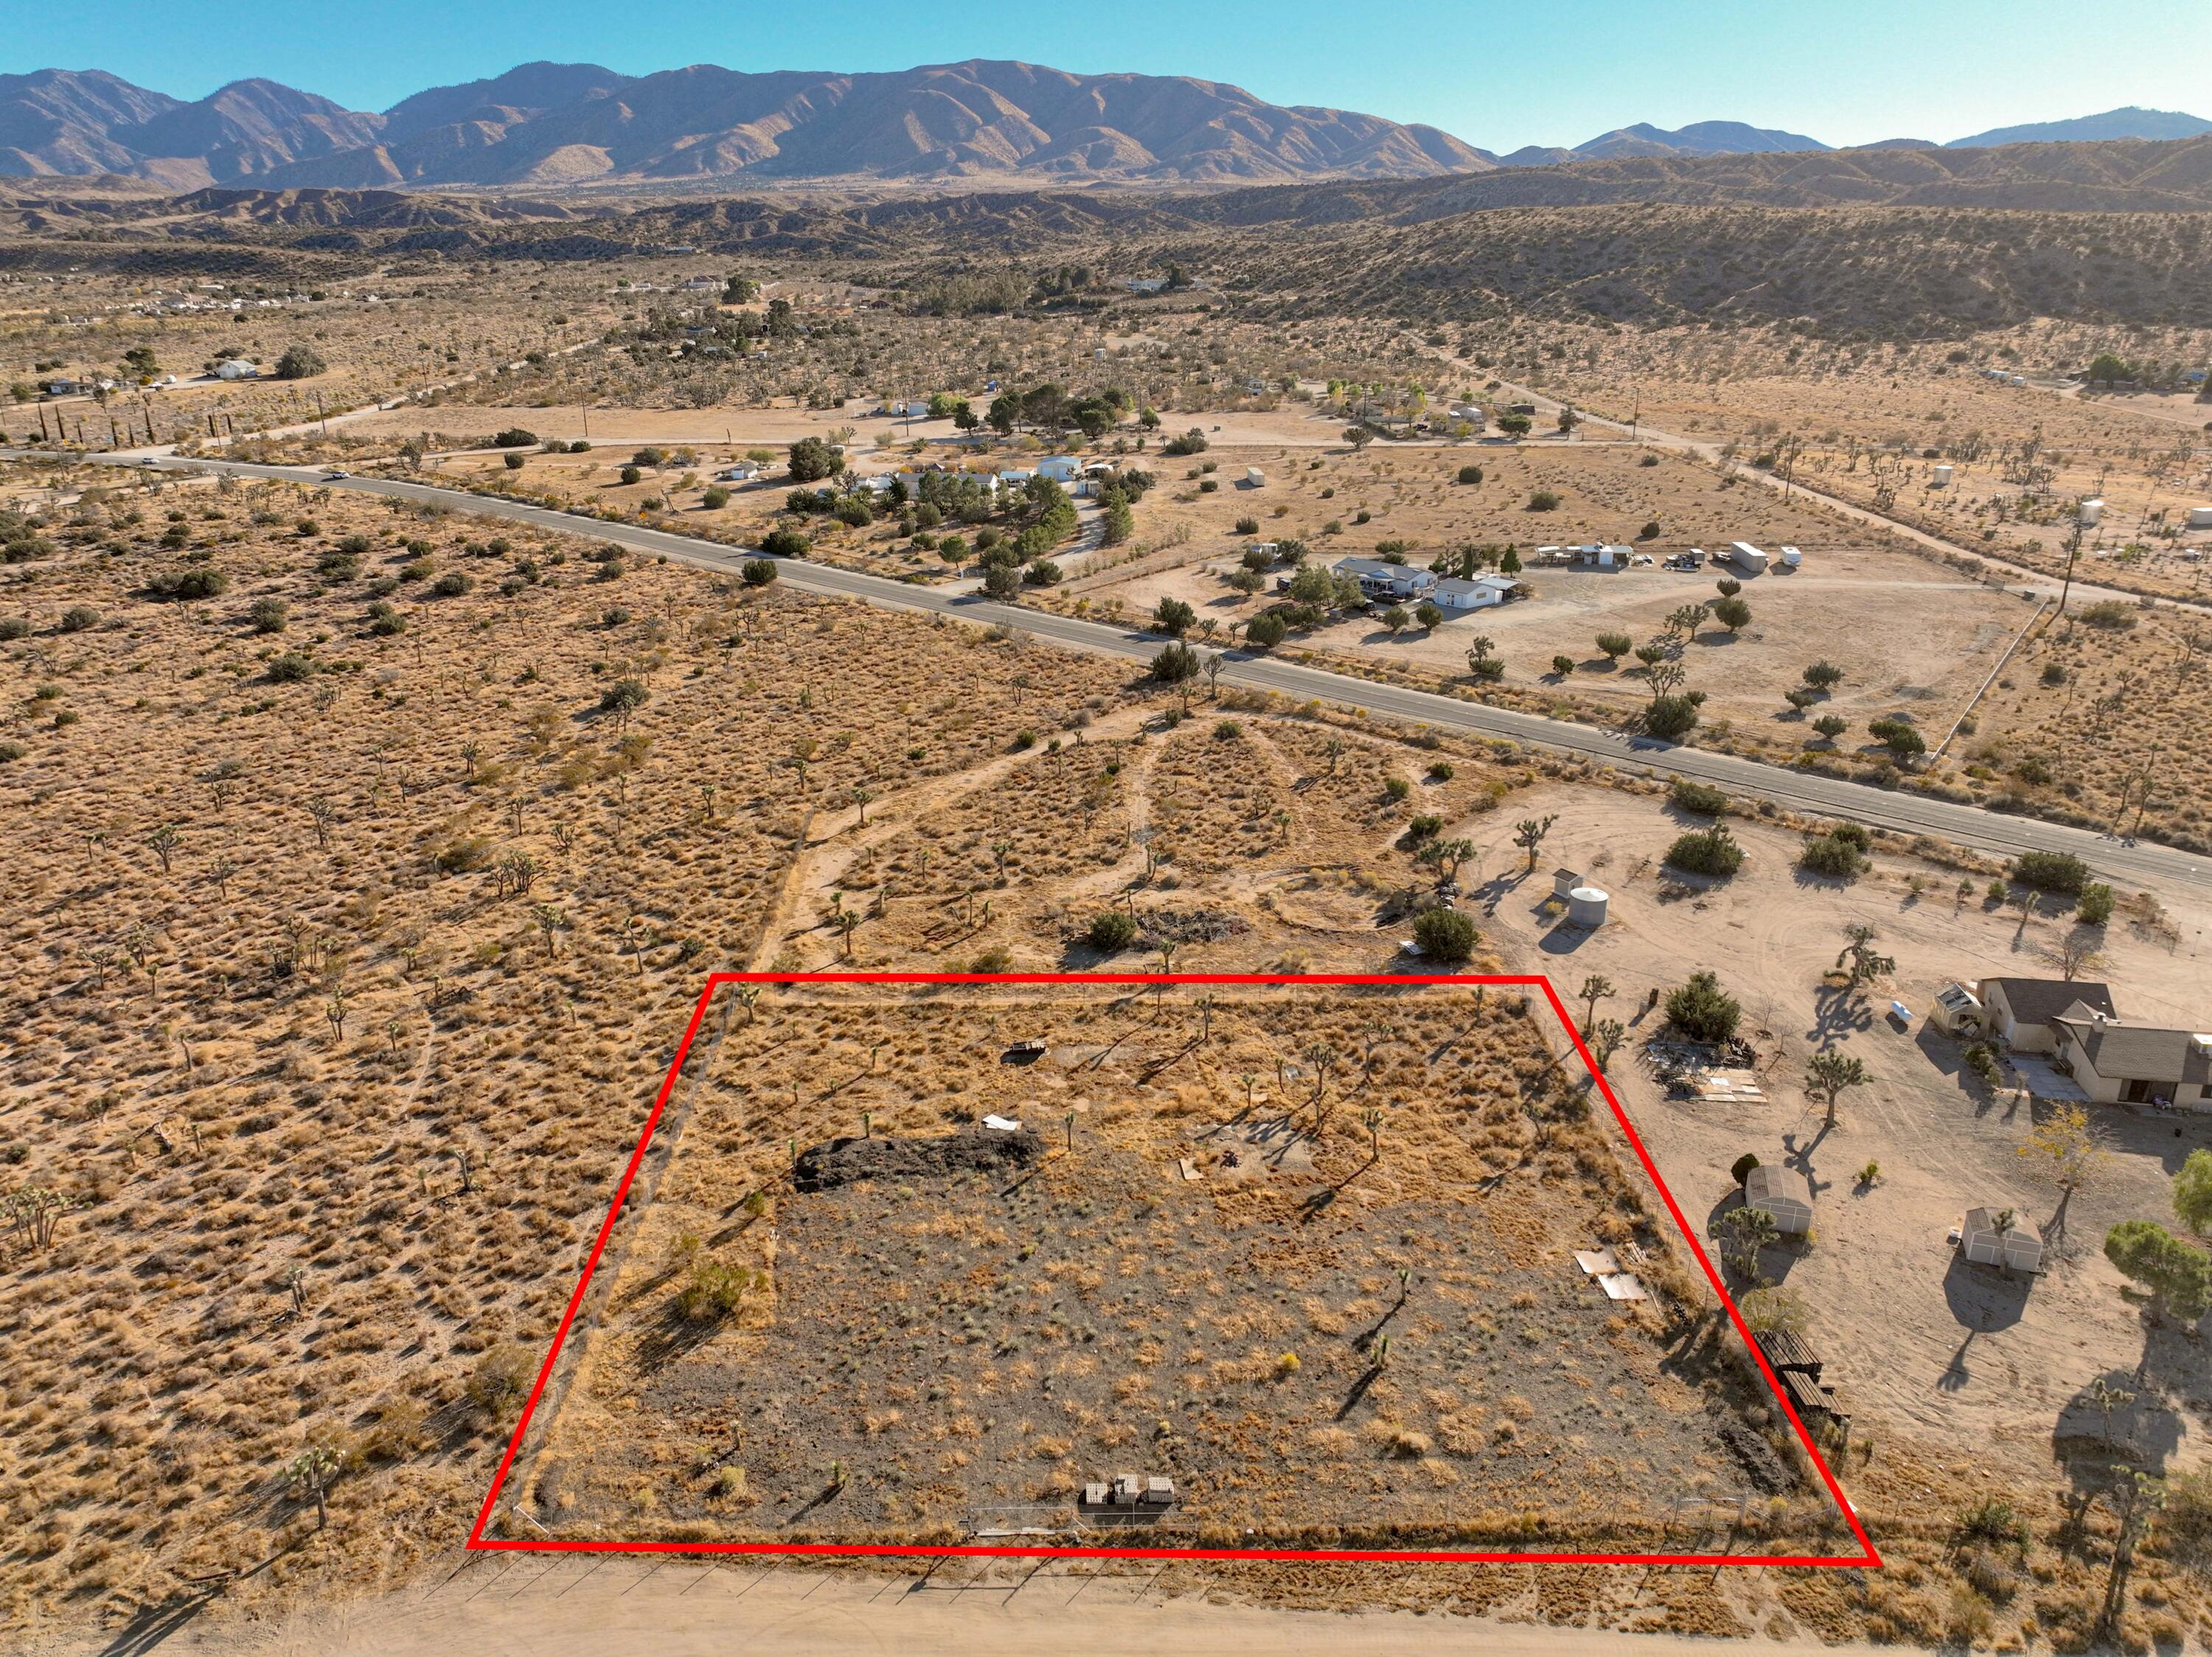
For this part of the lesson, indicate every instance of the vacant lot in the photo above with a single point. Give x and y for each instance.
(1308, 1253)
(351, 920)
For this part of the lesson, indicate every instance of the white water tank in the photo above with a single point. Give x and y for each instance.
(1586, 906)
(1942, 479)
(2200, 517)
(2089, 513)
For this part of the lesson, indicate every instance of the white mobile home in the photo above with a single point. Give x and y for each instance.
(1480, 594)
(1060, 468)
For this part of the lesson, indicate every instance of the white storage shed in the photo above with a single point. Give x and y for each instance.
(1995, 1237)
(1783, 1192)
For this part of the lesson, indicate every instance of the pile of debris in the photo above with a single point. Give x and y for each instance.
(972, 1150)
(1690, 1069)
(1194, 926)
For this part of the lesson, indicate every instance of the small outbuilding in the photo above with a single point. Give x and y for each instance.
(1783, 1192)
(1995, 1237)
(237, 369)
(1958, 1012)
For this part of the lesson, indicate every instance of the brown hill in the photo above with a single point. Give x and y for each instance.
(545, 124)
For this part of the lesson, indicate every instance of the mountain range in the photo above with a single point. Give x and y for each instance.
(547, 125)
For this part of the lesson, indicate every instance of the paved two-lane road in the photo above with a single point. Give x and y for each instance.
(1806, 792)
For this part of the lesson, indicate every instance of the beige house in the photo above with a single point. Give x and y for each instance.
(2118, 1063)
(2019, 1011)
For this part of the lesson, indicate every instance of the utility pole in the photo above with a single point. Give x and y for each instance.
(2073, 551)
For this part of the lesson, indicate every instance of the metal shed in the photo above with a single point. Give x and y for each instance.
(1783, 1192)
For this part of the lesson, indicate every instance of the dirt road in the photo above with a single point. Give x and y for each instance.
(592, 1607)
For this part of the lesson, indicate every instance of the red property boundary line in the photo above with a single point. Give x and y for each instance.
(478, 1541)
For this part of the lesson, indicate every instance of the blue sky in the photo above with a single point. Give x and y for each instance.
(1845, 72)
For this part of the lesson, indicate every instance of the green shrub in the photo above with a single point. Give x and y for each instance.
(269, 615)
(1470, 474)
(1445, 934)
(1701, 1010)
(2052, 871)
(2095, 908)
(785, 544)
(1706, 852)
(1670, 717)
(758, 572)
(1111, 930)
(1697, 796)
(451, 584)
(514, 437)
(1741, 1170)
(1175, 664)
(14, 627)
(291, 668)
(1827, 854)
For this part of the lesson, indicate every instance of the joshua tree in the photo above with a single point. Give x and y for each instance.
(549, 920)
(1747, 1231)
(1828, 1075)
(1605, 1040)
(1858, 958)
(1530, 834)
(471, 752)
(1372, 1121)
(164, 842)
(310, 1473)
(220, 874)
(1594, 990)
(334, 1014)
(324, 814)
(1450, 853)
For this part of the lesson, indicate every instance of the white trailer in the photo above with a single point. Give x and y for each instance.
(1746, 558)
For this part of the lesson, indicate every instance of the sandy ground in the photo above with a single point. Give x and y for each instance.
(1925, 1348)
(586, 1607)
